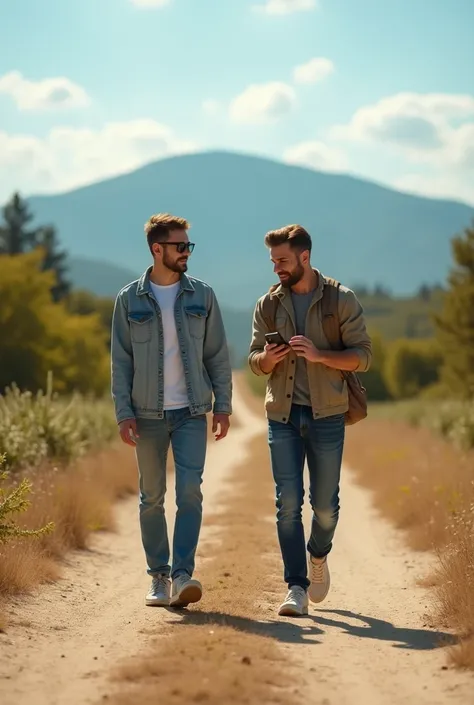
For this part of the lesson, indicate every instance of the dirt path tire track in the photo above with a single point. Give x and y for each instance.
(368, 642)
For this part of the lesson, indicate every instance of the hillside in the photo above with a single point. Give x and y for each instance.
(99, 277)
(362, 232)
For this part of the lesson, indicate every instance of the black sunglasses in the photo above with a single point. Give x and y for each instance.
(181, 246)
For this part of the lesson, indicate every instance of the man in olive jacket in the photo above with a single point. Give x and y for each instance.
(306, 400)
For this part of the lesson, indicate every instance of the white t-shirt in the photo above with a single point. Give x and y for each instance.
(175, 393)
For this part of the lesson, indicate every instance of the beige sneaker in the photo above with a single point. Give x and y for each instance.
(320, 578)
(185, 590)
(159, 593)
(295, 603)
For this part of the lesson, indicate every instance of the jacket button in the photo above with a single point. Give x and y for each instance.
(288, 396)
(292, 362)
(291, 377)
(284, 418)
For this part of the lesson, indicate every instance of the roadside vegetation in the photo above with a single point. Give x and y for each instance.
(60, 474)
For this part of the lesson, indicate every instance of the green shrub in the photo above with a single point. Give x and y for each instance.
(410, 366)
(12, 502)
(36, 427)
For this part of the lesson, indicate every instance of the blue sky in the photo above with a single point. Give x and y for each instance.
(92, 88)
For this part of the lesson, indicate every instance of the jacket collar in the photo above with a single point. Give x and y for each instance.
(143, 286)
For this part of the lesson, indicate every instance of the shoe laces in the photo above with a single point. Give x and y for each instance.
(317, 570)
(295, 592)
(160, 581)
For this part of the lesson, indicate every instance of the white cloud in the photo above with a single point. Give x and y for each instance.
(69, 157)
(316, 155)
(46, 94)
(438, 186)
(211, 107)
(314, 70)
(413, 121)
(285, 7)
(263, 103)
(428, 129)
(150, 3)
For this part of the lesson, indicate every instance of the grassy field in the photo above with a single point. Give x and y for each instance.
(418, 459)
(454, 420)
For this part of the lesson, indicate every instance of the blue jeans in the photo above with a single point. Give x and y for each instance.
(188, 437)
(320, 442)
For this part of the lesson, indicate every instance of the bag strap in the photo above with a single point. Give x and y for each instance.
(330, 313)
(269, 307)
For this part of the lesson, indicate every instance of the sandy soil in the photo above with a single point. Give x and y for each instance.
(369, 642)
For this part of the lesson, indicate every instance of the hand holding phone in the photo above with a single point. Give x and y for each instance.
(275, 351)
(275, 338)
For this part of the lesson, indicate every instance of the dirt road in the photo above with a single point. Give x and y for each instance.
(369, 642)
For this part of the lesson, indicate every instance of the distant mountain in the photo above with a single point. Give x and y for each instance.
(362, 232)
(102, 278)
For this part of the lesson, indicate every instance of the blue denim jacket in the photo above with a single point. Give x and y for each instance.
(137, 350)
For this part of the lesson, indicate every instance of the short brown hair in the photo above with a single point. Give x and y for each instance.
(295, 235)
(159, 226)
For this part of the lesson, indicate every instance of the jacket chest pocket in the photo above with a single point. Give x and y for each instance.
(196, 317)
(140, 326)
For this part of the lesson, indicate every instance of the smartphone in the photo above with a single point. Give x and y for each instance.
(275, 338)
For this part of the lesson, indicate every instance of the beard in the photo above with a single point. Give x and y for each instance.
(178, 265)
(293, 277)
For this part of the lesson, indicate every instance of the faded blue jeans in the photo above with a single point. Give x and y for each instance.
(188, 438)
(320, 442)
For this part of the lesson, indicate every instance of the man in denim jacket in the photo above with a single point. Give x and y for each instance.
(169, 356)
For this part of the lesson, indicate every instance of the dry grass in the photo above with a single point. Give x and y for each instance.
(79, 500)
(227, 653)
(425, 486)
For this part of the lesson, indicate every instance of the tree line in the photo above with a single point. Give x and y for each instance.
(47, 325)
(441, 366)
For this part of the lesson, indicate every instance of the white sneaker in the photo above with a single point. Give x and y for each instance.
(185, 590)
(320, 578)
(295, 604)
(159, 592)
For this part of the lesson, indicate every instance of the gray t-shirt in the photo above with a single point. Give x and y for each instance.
(301, 303)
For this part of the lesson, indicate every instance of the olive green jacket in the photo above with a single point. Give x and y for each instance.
(327, 386)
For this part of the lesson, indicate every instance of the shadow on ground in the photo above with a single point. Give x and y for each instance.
(305, 629)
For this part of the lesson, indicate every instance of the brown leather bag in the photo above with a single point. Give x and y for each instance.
(357, 393)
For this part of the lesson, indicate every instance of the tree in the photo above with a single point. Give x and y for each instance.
(38, 336)
(424, 292)
(373, 379)
(55, 260)
(85, 302)
(455, 323)
(16, 239)
(410, 366)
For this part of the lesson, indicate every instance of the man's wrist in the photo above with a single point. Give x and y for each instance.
(322, 357)
(263, 363)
